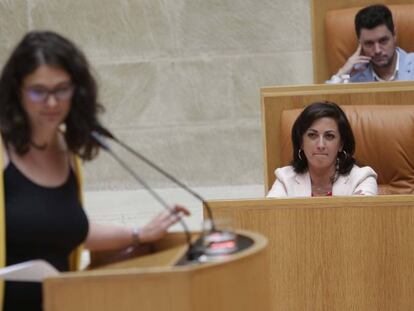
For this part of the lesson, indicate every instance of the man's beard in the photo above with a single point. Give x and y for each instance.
(388, 64)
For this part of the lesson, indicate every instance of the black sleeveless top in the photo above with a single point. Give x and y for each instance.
(41, 223)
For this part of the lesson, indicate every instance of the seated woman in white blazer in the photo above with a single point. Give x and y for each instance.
(323, 162)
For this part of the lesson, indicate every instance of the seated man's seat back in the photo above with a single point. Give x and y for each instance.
(384, 138)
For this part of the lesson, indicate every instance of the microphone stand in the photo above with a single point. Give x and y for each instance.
(99, 139)
(108, 134)
(215, 243)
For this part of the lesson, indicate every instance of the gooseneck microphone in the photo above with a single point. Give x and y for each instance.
(102, 143)
(104, 132)
(214, 244)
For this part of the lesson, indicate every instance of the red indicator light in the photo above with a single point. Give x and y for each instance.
(223, 245)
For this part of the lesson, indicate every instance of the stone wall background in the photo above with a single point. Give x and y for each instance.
(179, 78)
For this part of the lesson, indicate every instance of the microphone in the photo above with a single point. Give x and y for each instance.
(103, 131)
(101, 141)
(213, 245)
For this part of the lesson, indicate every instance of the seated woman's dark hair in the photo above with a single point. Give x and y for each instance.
(48, 48)
(304, 121)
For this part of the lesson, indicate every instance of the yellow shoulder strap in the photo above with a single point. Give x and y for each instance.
(75, 256)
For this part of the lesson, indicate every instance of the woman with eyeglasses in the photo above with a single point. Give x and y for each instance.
(48, 108)
(323, 162)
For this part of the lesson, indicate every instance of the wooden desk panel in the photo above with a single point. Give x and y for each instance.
(340, 253)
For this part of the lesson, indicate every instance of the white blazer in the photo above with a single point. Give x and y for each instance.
(290, 184)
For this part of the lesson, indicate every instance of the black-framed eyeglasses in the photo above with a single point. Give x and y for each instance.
(41, 94)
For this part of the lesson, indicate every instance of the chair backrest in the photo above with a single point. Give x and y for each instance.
(381, 116)
(333, 32)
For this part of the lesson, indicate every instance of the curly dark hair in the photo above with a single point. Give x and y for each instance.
(304, 121)
(48, 48)
(373, 16)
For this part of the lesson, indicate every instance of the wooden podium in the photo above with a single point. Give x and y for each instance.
(333, 253)
(152, 282)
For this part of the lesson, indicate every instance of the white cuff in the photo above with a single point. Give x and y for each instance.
(335, 79)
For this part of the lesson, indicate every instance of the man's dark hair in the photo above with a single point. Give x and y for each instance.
(48, 48)
(305, 120)
(373, 16)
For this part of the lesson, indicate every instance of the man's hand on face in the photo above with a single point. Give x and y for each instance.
(355, 63)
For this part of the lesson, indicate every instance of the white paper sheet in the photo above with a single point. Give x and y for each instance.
(28, 271)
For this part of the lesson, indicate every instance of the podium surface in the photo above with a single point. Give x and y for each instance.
(240, 282)
(333, 253)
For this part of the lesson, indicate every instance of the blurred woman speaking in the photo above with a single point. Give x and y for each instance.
(48, 108)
